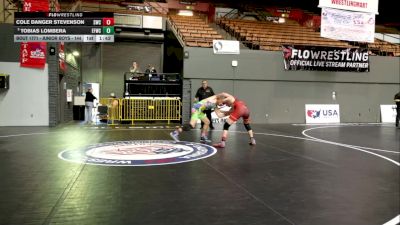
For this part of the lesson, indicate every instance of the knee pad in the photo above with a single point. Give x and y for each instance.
(186, 127)
(247, 126)
(226, 126)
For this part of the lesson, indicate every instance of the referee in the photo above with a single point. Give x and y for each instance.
(204, 92)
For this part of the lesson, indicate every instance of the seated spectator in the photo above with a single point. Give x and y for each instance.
(152, 73)
(150, 69)
(134, 68)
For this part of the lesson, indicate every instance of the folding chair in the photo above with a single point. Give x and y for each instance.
(102, 112)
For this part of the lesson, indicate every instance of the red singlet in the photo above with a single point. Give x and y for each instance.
(240, 110)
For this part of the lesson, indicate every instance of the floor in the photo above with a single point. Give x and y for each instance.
(296, 174)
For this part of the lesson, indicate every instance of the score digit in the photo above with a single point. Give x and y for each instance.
(108, 30)
(108, 21)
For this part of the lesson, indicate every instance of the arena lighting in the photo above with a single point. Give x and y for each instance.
(185, 13)
(75, 53)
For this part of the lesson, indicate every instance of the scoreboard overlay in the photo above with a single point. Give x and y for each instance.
(64, 27)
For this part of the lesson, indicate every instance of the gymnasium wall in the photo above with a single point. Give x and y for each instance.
(26, 102)
(9, 51)
(117, 59)
(91, 63)
(35, 94)
(278, 96)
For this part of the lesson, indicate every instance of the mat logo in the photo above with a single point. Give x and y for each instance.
(322, 113)
(138, 153)
(313, 113)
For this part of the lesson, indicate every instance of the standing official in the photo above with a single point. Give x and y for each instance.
(202, 93)
(397, 100)
(89, 98)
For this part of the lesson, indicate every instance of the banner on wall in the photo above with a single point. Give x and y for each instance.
(36, 6)
(33, 54)
(328, 113)
(388, 113)
(325, 58)
(226, 47)
(69, 95)
(352, 5)
(217, 119)
(61, 57)
(345, 25)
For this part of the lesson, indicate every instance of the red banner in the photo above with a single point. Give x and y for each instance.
(33, 54)
(36, 6)
(61, 57)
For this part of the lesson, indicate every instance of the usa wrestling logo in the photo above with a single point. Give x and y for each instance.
(313, 113)
(139, 153)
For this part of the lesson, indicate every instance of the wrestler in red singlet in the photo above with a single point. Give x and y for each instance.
(238, 110)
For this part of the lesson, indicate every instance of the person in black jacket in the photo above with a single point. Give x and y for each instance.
(202, 93)
(89, 105)
(397, 100)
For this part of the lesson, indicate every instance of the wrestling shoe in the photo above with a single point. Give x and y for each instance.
(174, 135)
(220, 144)
(205, 140)
(252, 141)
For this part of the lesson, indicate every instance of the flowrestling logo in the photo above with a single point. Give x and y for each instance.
(325, 58)
(139, 153)
(322, 113)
